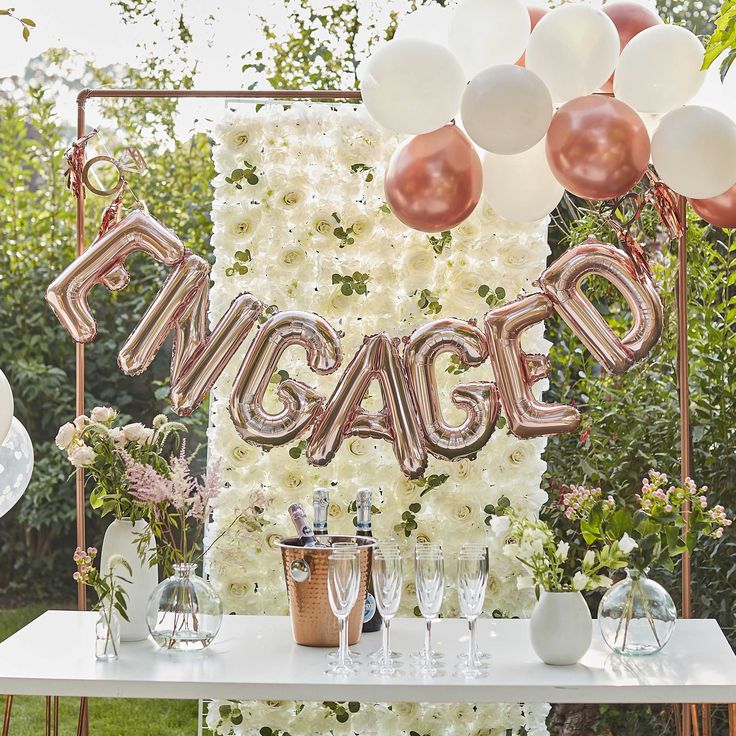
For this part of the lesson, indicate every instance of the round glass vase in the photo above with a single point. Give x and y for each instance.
(636, 615)
(107, 633)
(184, 612)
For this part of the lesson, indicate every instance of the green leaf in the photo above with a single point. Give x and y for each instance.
(346, 289)
(353, 707)
(28, 22)
(415, 508)
(483, 290)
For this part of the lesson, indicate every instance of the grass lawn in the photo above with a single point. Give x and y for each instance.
(107, 716)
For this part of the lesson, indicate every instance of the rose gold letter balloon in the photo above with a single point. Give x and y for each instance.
(434, 181)
(562, 282)
(379, 360)
(719, 211)
(597, 147)
(301, 403)
(196, 358)
(103, 263)
(516, 372)
(480, 400)
(629, 19)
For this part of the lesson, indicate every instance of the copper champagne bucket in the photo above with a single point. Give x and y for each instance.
(305, 571)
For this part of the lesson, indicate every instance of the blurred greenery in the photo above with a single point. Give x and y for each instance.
(630, 421)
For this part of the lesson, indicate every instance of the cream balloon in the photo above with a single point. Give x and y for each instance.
(694, 151)
(660, 69)
(7, 407)
(574, 49)
(521, 188)
(429, 22)
(484, 33)
(412, 86)
(506, 109)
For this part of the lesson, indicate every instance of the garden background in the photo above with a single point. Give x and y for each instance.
(630, 421)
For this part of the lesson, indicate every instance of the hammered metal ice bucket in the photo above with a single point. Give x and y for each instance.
(305, 571)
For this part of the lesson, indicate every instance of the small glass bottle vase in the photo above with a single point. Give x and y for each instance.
(637, 615)
(184, 612)
(107, 633)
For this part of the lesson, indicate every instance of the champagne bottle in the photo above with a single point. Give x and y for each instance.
(299, 518)
(320, 502)
(372, 620)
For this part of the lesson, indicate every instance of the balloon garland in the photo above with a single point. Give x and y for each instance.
(537, 75)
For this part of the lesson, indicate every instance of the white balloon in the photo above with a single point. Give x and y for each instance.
(16, 466)
(7, 407)
(659, 69)
(521, 188)
(506, 109)
(412, 86)
(574, 49)
(484, 33)
(694, 151)
(429, 22)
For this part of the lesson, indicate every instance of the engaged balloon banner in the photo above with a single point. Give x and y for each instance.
(411, 418)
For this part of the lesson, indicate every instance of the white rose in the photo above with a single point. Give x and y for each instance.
(103, 414)
(580, 581)
(237, 222)
(65, 436)
(81, 422)
(500, 525)
(563, 548)
(81, 456)
(292, 195)
(134, 432)
(627, 544)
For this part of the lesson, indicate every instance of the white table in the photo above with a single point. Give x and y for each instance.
(255, 658)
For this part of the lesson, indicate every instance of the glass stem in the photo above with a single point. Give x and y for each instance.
(387, 640)
(473, 641)
(343, 652)
(428, 641)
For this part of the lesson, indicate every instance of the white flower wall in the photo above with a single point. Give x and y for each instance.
(298, 200)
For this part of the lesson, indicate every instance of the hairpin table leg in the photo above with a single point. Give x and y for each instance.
(48, 715)
(83, 722)
(694, 719)
(6, 717)
(56, 715)
(732, 719)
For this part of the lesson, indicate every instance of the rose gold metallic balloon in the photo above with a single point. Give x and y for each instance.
(597, 147)
(197, 358)
(479, 399)
(434, 181)
(629, 19)
(301, 402)
(516, 372)
(103, 263)
(377, 360)
(719, 211)
(535, 15)
(562, 282)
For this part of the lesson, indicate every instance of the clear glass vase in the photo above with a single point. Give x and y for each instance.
(637, 615)
(107, 633)
(184, 612)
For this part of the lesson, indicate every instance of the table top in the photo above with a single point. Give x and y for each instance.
(255, 658)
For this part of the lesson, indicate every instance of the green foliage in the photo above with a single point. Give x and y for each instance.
(428, 302)
(723, 38)
(37, 355)
(355, 283)
(26, 24)
(440, 242)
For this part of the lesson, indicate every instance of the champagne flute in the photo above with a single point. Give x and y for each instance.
(387, 582)
(472, 578)
(482, 658)
(343, 584)
(430, 584)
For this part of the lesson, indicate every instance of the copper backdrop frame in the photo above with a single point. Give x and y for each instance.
(685, 720)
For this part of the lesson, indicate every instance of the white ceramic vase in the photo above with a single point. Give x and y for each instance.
(561, 628)
(121, 539)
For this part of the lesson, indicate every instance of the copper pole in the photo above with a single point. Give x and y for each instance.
(79, 356)
(6, 717)
(683, 390)
(253, 94)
